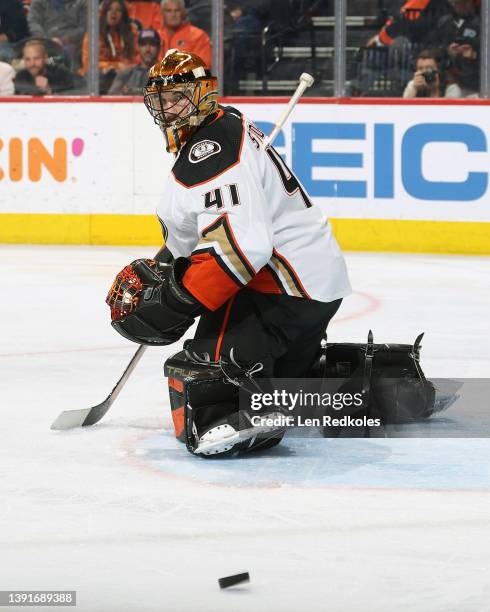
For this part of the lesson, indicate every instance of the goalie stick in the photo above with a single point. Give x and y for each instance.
(69, 419)
(89, 416)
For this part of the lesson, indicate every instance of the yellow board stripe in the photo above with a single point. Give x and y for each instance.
(80, 229)
(464, 237)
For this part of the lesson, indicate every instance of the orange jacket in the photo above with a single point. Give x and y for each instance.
(147, 13)
(187, 38)
(108, 59)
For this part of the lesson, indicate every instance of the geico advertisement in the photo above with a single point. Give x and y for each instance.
(356, 161)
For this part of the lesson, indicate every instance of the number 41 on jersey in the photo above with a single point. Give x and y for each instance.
(219, 197)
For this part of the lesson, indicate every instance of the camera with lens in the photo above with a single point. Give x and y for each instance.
(429, 75)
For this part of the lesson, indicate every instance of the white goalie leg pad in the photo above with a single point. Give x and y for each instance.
(224, 437)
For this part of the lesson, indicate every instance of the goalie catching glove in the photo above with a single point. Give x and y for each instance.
(149, 305)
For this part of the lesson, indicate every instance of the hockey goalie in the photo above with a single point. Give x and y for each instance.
(247, 253)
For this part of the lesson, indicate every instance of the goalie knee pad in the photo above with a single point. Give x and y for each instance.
(205, 410)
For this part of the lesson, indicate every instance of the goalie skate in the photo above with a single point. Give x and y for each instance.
(231, 435)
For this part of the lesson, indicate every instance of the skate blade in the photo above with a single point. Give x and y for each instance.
(213, 447)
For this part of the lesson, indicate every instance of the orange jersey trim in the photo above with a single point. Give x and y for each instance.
(264, 282)
(219, 114)
(208, 282)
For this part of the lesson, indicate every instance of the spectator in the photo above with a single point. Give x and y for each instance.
(199, 13)
(145, 14)
(243, 28)
(464, 52)
(132, 80)
(245, 19)
(13, 24)
(428, 81)
(64, 22)
(463, 13)
(414, 22)
(179, 33)
(39, 78)
(7, 75)
(117, 48)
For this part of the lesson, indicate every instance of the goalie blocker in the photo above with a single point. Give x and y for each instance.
(203, 399)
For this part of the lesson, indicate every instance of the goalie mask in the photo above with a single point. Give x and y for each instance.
(179, 95)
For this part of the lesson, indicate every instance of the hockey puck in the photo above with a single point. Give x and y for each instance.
(229, 581)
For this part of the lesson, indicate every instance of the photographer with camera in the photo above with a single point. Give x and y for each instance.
(428, 80)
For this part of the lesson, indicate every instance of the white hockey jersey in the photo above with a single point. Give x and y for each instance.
(234, 207)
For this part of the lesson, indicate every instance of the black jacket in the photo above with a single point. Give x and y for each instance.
(449, 28)
(13, 21)
(60, 80)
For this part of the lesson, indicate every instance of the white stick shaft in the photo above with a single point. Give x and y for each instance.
(303, 85)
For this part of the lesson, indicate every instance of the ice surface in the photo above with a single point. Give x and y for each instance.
(124, 515)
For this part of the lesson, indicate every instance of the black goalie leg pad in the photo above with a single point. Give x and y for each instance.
(390, 377)
(206, 414)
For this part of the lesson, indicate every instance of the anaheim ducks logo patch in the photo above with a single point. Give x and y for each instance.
(202, 150)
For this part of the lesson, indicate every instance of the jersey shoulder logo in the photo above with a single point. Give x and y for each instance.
(202, 150)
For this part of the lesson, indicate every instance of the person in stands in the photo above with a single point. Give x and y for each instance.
(178, 32)
(13, 27)
(39, 78)
(117, 48)
(464, 69)
(130, 82)
(428, 80)
(13, 24)
(7, 75)
(63, 22)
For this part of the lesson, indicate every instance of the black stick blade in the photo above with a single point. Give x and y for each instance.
(70, 419)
